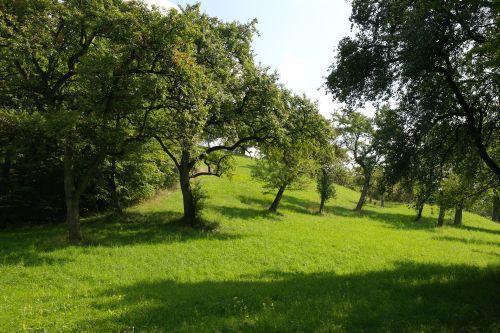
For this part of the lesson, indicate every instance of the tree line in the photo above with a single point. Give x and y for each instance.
(103, 103)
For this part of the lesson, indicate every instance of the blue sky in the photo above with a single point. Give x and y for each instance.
(297, 38)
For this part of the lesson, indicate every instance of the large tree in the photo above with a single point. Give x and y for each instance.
(438, 58)
(85, 69)
(219, 99)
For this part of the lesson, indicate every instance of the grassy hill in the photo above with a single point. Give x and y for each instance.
(297, 271)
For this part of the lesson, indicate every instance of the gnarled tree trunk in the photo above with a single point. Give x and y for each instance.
(276, 202)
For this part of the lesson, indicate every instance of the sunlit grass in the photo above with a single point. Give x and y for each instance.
(295, 271)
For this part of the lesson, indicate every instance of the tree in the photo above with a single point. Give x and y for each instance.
(85, 69)
(218, 99)
(290, 158)
(437, 58)
(356, 134)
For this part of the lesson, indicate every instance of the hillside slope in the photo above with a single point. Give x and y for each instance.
(296, 271)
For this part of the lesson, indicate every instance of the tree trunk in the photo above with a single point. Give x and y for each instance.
(321, 205)
(115, 197)
(5, 169)
(364, 192)
(496, 207)
(187, 192)
(419, 212)
(276, 202)
(72, 197)
(382, 200)
(442, 211)
(458, 214)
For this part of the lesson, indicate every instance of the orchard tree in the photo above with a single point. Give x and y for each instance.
(290, 159)
(86, 69)
(437, 59)
(356, 134)
(219, 99)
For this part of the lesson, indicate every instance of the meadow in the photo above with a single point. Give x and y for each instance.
(296, 271)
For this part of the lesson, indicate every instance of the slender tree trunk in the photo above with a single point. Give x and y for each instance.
(496, 207)
(72, 197)
(382, 200)
(458, 214)
(276, 202)
(322, 205)
(442, 211)
(115, 197)
(419, 212)
(364, 192)
(187, 192)
(5, 172)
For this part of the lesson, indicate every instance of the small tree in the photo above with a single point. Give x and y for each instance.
(291, 158)
(325, 185)
(356, 134)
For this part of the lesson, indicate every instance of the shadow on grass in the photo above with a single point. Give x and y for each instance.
(394, 220)
(244, 213)
(410, 298)
(33, 246)
(468, 241)
(470, 228)
(287, 203)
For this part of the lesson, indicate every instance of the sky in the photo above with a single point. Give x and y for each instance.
(297, 38)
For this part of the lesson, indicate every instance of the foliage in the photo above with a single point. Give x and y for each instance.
(290, 159)
(435, 60)
(357, 135)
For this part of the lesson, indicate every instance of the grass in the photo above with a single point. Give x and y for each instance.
(293, 272)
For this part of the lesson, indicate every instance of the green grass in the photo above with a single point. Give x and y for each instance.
(296, 271)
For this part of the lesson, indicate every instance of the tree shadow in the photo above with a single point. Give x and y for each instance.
(393, 220)
(471, 228)
(244, 213)
(33, 246)
(287, 203)
(409, 298)
(467, 241)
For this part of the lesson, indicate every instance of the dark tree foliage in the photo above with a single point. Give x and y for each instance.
(83, 69)
(438, 59)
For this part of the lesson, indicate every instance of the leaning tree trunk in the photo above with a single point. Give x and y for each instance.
(276, 202)
(364, 192)
(442, 211)
(496, 207)
(72, 198)
(458, 214)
